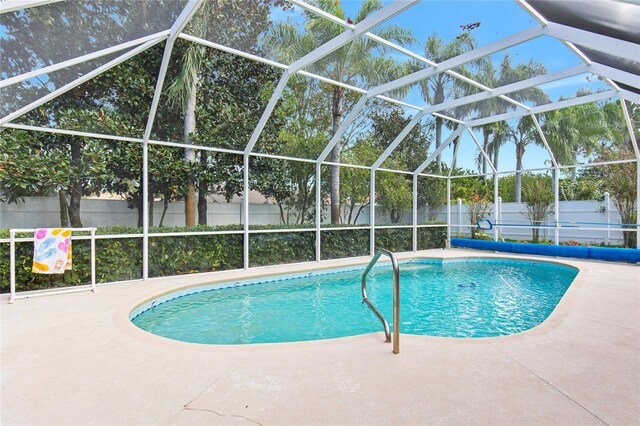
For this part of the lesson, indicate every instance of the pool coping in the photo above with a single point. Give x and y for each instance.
(210, 285)
(124, 324)
(580, 365)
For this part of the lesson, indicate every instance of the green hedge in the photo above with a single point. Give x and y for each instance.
(431, 238)
(277, 248)
(395, 239)
(121, 259)
(344, 243)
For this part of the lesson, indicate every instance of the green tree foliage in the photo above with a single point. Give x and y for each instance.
(355, 63)
(387, 123)
(395, 194)
(575, 131)
(505, 74)
(584, 187)
(301, 127)
(438, 88)
(619, 180)
(29, 169)
(71, 29)
(538, 198)
(356, 183)
(38, 164)
(233, 92)
(248, 21)
(432, 193)
(109, 104)
(521, 134)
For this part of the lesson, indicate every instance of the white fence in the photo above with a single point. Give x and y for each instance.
(574, 211)
(43, 212)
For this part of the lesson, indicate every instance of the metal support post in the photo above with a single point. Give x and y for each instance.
(459, 217)
(12, 264)
(415, 213)
(372, 214)
(145, 210)
(499, 217)
(607, 210)
(93, 260)
(318, 211)
(496, 192)
(556, 201)
(181, 22)
(448, 211)
(245, 212)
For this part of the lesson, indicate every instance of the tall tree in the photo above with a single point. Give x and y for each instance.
(620, 179)
(393, 191)
(436, 89)
(538, 200)
(52, 33)
(233, 91)
(494, 77)
(575, 131)
(248, 20)
(356, 63)
(521, 134)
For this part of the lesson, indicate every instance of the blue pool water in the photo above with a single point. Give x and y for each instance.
(461, 298)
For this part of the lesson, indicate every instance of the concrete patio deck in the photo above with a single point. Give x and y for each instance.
(76, 359)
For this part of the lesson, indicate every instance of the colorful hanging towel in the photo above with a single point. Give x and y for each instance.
(51, 251)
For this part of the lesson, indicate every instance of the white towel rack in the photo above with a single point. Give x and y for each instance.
(12, 264)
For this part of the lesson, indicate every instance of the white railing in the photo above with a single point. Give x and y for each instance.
(12, 262)
(460, 226)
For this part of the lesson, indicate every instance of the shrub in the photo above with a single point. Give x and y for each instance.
(121, 259)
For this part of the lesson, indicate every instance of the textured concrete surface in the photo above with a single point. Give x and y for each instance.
(76, 359)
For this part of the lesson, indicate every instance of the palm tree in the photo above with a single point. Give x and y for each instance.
(494, 77)
(248, 20)
(574, 131)
(438, 87)
(522, 134)
(355, 63)
(183, 91)
(500, 132)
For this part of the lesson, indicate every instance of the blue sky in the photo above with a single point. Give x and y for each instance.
(498, 19)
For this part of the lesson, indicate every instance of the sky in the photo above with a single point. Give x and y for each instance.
(498, 19)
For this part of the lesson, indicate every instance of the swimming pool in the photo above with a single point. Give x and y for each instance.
(455, 298)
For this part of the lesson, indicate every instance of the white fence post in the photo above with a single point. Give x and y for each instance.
(496, 229)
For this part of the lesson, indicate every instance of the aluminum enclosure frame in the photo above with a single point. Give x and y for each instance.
(568, 35)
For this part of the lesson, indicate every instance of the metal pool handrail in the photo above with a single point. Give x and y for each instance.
(396, 298)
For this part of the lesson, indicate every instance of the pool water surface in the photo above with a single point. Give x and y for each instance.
(454, 298)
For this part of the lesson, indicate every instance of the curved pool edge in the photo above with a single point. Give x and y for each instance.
(591, 356)
(220, 278)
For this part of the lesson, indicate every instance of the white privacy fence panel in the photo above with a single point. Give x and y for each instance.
(570, 211)
(43, 212)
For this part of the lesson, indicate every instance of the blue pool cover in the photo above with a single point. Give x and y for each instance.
(599, 253)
